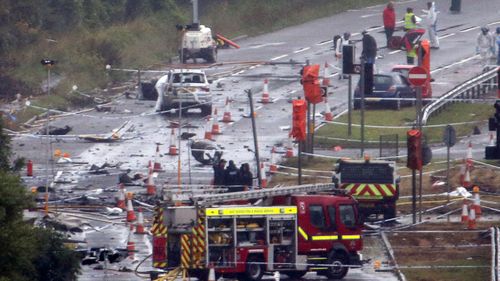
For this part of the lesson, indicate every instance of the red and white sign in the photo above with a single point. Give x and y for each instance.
(418, 76)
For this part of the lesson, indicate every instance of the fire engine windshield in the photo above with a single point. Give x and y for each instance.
(366, 173)
(347, 215)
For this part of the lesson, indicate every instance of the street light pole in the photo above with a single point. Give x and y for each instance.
(47, 63)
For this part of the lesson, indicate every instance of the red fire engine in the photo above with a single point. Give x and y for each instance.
(289, 231)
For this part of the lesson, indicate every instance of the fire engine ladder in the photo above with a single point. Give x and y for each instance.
(208, 199)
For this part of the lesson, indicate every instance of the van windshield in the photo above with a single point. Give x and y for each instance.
(188, 78)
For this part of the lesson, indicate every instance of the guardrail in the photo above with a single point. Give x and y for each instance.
(470, 89)
(495, 241)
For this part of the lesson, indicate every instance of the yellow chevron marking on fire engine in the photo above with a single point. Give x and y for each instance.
(238, 211)
(317, 258)
(325, 237)
(349, 187)
(351, 237)
(386, 189)
(375, 190)
(303, 233)
(318, 268)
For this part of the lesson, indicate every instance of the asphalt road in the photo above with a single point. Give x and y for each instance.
(310, 41)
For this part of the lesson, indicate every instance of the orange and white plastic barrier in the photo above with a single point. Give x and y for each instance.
(157, 164)
(172, 148)
(150, 183)
(476, 203)
(326, 75)
(328, 113)
(226, 118)
(472, 220)
(272, 166)
(120, 202)
(263, 181)
(215, 123)
(139, 229)
(465, 211)
(289, 149)
(265, 92)
(130, 209)
(208, 130)
(131, 243)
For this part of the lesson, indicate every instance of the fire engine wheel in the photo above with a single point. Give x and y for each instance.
(337, 269)
(295, 275)
(254, 270)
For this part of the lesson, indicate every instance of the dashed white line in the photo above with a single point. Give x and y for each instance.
(453, 64)
(394, 52)
(493, 23)
(279, 57)
(302, 50)
(447, 35)
(323, 43)
(369, 15)
(469, 29)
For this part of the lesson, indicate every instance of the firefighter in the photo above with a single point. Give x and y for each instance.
(245, 177)
(410, 20)
(219, 172)
(485, 44)
(389, 17)
(431, 21)
(231, 176)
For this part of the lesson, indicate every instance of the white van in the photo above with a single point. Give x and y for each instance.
(188, 88)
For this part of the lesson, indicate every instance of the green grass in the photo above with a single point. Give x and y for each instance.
(450, 274)
(456, 113)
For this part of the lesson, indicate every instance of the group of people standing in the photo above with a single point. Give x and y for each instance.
(486, 42)
(231, 177)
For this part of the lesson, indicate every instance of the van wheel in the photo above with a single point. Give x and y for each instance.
(253, 271)
(337, 268)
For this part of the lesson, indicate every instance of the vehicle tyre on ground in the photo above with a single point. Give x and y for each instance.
(337, 268)
(254, 270)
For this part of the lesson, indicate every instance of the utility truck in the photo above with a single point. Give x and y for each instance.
(291, 230)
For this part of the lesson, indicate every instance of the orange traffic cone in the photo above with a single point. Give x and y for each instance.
(120, 203)
(469, 155)
(150, 184)
(215, 123)
(466, 181)
(130, 209)
(226, 118)
(472, 219)
(272, 167)
(265, 93)
(263, 182)
(172, 149)
(208, 130)
(211, 273)
(289, 149)
(465, 211)
(157, 164)
(326, 76)
(131, 243)
(476, 204)
(139, 229)
(328, 113)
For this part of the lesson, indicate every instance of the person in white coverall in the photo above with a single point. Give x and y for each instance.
(485, 45)
(430, 22)
(342, 41)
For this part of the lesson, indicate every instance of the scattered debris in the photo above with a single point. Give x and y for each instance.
(55, 131)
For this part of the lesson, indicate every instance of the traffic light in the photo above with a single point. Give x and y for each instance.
(368, 72)
(348, 59)
(414, 143)
(299, 120)
(310, 82)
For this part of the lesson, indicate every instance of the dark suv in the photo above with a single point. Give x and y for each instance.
(388, 88)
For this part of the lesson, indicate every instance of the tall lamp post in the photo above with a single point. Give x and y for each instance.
(48, 64)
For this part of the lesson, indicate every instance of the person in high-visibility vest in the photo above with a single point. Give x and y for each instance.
(410, 20)
(411, 54)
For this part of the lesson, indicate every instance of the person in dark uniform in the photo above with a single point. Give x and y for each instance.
(369, 48)
(231, 177)
(245, 177)
(219, 172)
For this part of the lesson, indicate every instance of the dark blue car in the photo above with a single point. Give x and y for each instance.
(389, 89)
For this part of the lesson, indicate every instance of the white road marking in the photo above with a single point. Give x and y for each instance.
(266, 45)
(394, 52)
(279, 57)
(323, 43)
(409, 1)
(469, 29)
(493, 23)
(302, 50)
(447, 35)
(370, 15)
(453, 64)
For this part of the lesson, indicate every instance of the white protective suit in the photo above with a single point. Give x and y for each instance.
(485, 46)
(430, 23)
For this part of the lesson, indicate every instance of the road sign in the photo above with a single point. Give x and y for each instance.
(417, 76)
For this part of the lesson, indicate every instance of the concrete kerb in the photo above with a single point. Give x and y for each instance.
(390, 251)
